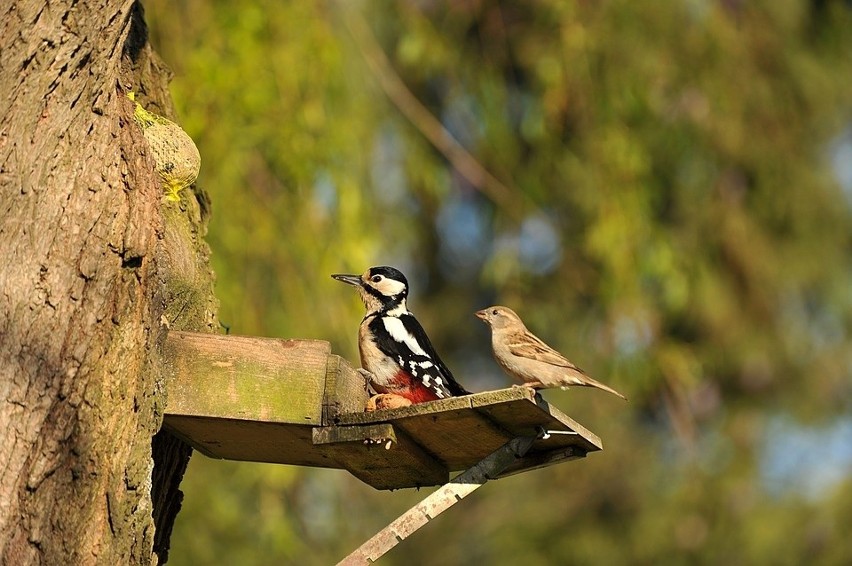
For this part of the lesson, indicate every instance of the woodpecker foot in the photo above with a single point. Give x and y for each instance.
(386, 401)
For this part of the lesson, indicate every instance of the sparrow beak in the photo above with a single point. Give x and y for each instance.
(483, 314)
(348, 279)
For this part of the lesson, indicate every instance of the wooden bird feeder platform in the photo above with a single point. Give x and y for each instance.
(294, 402)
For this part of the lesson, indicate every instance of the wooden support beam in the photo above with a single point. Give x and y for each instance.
(442, 499)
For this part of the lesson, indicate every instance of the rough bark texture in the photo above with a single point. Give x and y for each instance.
(95, 269)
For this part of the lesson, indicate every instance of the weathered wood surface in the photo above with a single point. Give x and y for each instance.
(380, 456)
(294, 402)
(345, 390)
(250, 440)
(247, 378)
(256, 399)
(462, 430)
(459, 432)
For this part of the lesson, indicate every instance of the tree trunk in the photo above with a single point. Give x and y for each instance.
(95, 268)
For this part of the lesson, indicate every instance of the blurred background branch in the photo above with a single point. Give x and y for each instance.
(420, 117)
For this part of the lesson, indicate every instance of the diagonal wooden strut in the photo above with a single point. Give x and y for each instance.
(439, 501)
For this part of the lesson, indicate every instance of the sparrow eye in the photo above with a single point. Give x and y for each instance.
(376, 278)
(494, 312)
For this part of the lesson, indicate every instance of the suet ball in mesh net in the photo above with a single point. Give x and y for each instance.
(177, 158)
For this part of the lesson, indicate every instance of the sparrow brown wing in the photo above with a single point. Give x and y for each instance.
(528, 345)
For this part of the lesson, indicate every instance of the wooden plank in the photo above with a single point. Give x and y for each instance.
(430, 407)
(383, 434)
(461, 430)
(447, 428)
(523, 419)
(250, 441)
(380, 456)
(345, 390)
(458, 438)
(241, 377)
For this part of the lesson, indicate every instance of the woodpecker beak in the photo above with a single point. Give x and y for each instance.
(483, 314)
(354, 280)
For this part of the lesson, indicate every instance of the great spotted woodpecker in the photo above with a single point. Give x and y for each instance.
(525, 357)
(394, 347)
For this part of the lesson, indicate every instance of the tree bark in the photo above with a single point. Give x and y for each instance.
(95, 268)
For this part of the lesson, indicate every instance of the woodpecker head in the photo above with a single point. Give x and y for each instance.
(382, 289)
(499, 317)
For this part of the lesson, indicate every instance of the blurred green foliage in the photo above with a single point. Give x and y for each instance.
(671, 222)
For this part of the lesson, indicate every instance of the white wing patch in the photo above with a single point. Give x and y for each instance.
(398, 332)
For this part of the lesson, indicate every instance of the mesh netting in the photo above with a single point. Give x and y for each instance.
(177, 158)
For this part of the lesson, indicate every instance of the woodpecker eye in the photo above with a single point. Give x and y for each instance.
(376, 278)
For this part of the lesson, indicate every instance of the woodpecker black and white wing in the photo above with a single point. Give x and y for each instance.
(402, 339)
(414, 329)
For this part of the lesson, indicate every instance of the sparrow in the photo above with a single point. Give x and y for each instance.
(394, 348)
(526, 358)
